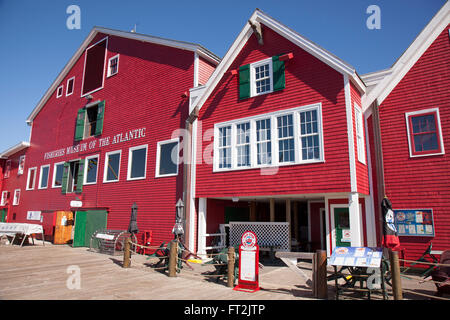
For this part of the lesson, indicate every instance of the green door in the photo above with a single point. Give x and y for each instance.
(3, 215)
(86, 223)
(342, 227)
(236, 214)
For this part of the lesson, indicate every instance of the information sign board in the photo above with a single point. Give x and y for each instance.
(248, 263)
(356, 257)
(414, 222)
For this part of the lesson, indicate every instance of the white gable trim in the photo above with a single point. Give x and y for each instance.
(410, 56)
(313, 49)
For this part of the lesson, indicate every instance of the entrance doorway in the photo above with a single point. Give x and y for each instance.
(86, 223)
(342, 227)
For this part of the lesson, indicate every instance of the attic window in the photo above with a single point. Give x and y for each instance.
(94, 65)
(69, 89)
(113, 65)
(59, 91)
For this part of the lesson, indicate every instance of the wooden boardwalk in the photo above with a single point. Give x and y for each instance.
(41, 272)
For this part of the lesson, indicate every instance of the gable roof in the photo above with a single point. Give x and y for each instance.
(407, 60)
(307, 45)
(196, 48)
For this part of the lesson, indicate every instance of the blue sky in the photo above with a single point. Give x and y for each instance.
(36, 44)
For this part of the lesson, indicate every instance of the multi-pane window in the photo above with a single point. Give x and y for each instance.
(262, 78)
(309, 135)
(263, 142)
(225, 147)
(112, 166)
(360, 145)
(286, 152)
(292, 136)
(425, 136)
(113, 65)
(243, 144)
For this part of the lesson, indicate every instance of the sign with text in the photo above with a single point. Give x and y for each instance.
(414, 222)
(248, 263)
(356, 257)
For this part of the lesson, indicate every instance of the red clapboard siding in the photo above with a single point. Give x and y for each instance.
(362, 176)
(205, 70)
(146, 92)
(308, 81)
(421, 182)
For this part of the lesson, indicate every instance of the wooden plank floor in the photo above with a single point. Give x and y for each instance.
(41, 272)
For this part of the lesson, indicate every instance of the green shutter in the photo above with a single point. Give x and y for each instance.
(80, 176)
(79, 130)
(279, 81)
(100, 117)
(244, 82)
(64, 178)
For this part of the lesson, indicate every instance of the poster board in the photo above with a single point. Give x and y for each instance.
(356, 257)
(414, 222)
(248, 263)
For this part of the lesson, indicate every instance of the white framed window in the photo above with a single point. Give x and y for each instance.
(69, 86)
(111, 171)
(7, 168)
(4, 198)
(21, 165)
(287, 137)
(31, 178)
(16, 198)
(167, 159)
(59, 91)
(58, 170)
(43, 176)
(113, 65)
(360, 145)
(91, 169)
(137, 162)
(261, 76)
(424, 133)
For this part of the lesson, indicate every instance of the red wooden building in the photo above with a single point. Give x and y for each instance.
(407, 110)
(103, 133)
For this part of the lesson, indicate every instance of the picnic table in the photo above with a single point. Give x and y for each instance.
(20, 229)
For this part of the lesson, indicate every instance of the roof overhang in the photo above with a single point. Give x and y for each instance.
(196, 48)
(18, 147)
(307, 45)
(407, 60)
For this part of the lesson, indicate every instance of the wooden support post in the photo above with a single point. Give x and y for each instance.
(173, 257)
(231, 261)
(253, 211)
(127, 253)
(395, 273)
(272, 210)
(321, 277)
(288, 219)
(296, 235)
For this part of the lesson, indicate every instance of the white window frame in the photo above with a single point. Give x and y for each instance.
(86, 165)
(105, 169)
(67, 86)
(4, 198)
(41, 176)
(274, 139)
(158, 156)
(439, 128)
(28, 178)
(130, 156)
(360, 141)
(54, 174)
(21, 166)
(62, 91)
(109, 74)
(104, 65)
(16, 200)
(253, 66)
